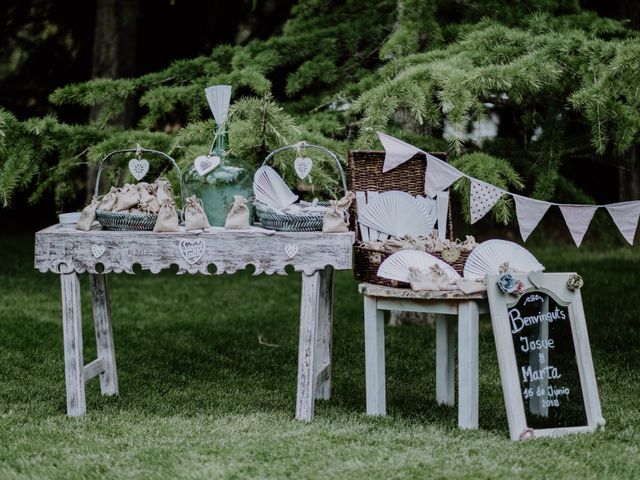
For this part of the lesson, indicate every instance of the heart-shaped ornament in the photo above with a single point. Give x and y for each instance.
(97, 250)
(138, 168)
(291, 249)
(302, 166)
(191, 250)
(205, 163)
(536, 278)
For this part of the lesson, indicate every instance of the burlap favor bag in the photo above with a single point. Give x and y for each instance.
(150, 206)
(127, 197)
(337, 216)
(238, 216)
(163, 190)
(143, 191)
(88, 215)
(108, 202)
(167, 218)
(194, 216)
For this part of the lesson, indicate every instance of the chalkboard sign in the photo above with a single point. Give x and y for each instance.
(545, 360)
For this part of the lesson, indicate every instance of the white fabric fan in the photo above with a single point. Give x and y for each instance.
(269, 188)
(396, 267)
(219, 98)
(490, 256)
(398, 214)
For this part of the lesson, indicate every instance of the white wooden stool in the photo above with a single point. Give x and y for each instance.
(447, 305)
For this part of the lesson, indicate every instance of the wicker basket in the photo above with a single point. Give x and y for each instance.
(287, 222)
(122, 221)
(368, 260)
(365, 174)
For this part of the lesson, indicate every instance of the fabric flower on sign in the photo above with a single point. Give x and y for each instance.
(575, 282)
(508, 284)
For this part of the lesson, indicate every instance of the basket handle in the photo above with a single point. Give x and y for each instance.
(138, 151)
(303, 144)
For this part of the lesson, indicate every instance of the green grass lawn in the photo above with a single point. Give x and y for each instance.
(201, 397)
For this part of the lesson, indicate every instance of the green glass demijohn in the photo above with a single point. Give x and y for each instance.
(216, 187)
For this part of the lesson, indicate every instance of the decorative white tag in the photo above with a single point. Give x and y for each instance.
(291, 249)
(97, 250)
(303, 166)
(191, 250)
(138, 168)
(205, 163)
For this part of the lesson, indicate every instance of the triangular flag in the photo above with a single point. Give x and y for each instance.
(396, 151)
(625, 215)
(578, 218)
(438, 176)
(482, 199)
(529, 213)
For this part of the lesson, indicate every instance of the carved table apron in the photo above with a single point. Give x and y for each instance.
(68, 252)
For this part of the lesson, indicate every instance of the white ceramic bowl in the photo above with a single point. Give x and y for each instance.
(69, 219)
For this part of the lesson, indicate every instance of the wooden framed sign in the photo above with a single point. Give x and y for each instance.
(546, 368)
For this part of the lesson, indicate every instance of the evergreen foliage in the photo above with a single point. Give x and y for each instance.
(563, 79)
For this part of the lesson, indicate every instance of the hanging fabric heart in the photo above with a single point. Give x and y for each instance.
(291, 249)
(206, 163)
(138, 168)
(97, 250)
(303, 166)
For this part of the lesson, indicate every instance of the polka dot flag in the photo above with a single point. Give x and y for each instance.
(482, 199)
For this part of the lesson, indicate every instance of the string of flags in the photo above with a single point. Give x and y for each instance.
(440, 175)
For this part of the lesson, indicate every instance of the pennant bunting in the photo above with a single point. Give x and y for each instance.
(578, 218)
(625, 215)
(483, 197)
(438, 176)
(396, 151)
(529, 213)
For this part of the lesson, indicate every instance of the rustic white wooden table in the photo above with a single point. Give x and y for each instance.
(69, 252)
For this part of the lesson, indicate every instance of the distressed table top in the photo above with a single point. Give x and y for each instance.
(64, 250)
(390, 292)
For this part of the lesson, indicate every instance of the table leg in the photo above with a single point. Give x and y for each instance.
(374, 357)
(72, 333)
(445, 359)
(324, 336)
(104, 333)
(468, 323)
(310, 311)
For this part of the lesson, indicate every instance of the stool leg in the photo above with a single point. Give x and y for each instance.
(72, 334)
(309, 318)
(468, 320)
(374, 357)
(324, 337)
(104, 333)
(445, 360)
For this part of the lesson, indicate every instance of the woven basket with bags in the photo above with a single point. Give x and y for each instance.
(365, 175)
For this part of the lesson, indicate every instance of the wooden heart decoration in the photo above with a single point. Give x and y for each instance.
(205, 163)
(138, 168)
(302, 166)
(291, 249)
(191, 250)
(97, 250)
(536, 278)
(450, 255)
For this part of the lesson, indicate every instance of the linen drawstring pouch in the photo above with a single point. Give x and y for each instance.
(167, 220)
(143, 190)
(337, 216)
(127, 197)
(88, 215)
(151, 206)
(108, 202)
(433, 278)
(194, 216)
(163, 190)
(238, 216)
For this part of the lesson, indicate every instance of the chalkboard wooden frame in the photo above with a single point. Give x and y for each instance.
(554, 284)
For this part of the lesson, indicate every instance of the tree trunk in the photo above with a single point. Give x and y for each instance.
(114, 56)
(629, 177)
